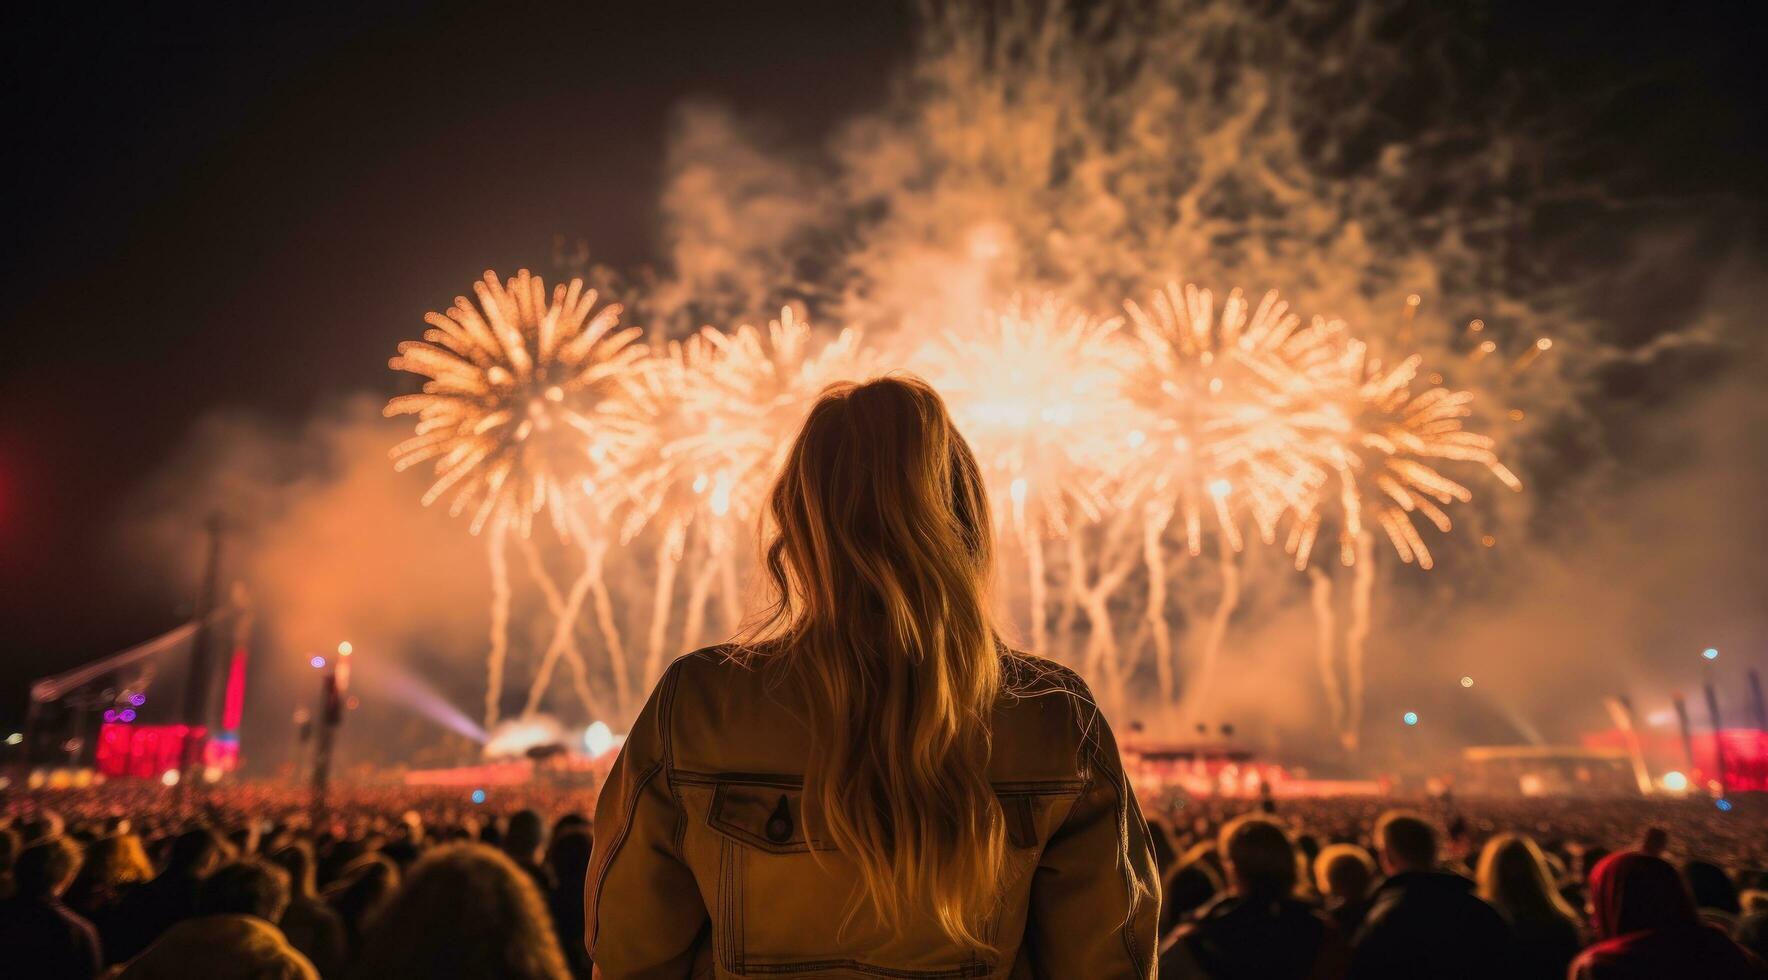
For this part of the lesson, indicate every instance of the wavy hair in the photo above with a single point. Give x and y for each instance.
(1513, 876)
(878, 557)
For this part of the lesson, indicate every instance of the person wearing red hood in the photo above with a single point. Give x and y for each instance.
(1648, 928)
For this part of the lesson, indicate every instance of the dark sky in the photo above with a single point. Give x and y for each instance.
(248, 209)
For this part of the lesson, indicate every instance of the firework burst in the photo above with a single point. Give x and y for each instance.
(737, 399)
(1376, 449)
(1215, 389)
(1039, 393)
(515, 407)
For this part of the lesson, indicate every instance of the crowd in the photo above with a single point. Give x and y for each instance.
(132, 882)
(1590, 890)
(120, 881)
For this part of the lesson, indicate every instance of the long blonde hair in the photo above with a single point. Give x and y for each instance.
(879, 558)
(1513, 876)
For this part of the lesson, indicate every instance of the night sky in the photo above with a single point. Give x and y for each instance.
(248, 210)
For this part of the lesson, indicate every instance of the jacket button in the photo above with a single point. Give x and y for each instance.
(779, 825)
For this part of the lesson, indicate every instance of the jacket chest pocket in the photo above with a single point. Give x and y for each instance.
(784, 898)
(768, 818)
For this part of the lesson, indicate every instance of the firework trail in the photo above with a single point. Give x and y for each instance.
(721, 410)
(1356, 638)
(515, 413)
(1039, 395)
(1215, 388)
(565, 610)
(1325, 636)
(500, 624)
(1375, 448)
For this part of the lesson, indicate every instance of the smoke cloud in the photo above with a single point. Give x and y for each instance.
(1348, 161)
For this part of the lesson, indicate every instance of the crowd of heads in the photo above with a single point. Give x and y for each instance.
(397, 882)
(117, 881)
(1519, 888)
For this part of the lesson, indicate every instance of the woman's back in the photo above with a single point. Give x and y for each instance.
(867, 784)
(703, 823)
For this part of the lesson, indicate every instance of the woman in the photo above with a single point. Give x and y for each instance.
(870, 784)
(1513, 878)
(1647, 928)
(113, 865)
(567, 857)
(465, 911)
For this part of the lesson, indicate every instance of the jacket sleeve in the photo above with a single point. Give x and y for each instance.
(643, 913)
(1095, 897)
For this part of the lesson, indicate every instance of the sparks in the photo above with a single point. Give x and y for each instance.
(1378, 448)
(512, 408)
(1040, 394)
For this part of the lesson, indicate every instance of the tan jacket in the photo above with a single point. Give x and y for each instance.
(703, 866)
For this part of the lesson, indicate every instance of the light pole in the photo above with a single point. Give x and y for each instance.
(303, 735)
(196, 684)
(1708, 656)
(332, 692)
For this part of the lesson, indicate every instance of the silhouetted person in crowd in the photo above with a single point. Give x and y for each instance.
(1188, 889)
(567, 858)
(1425, 922)
(1715, 894)
(365, 886)
(149, 909)
(1344, 874)
(523, 840)
(1545, 931)
(39, 936)
(1752, 929)
(570, 821)
(1260, 930)
(309, 923)
(921, 800)
(405, 844)
(113, 866)
(465, 912)
(1576, 891)
(1647, 928)
(234, 934)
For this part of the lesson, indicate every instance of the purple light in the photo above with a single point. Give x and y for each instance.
(318, 663)
(128, 715)
(137, 699)
(110, 715)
